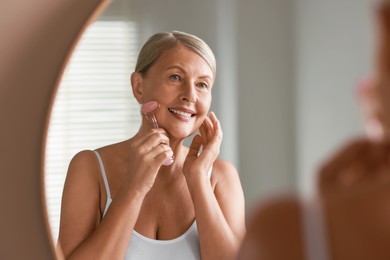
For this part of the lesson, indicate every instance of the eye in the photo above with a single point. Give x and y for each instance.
(203, 85)
(174, 77)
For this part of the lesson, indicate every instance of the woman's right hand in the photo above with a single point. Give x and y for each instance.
(147, 154)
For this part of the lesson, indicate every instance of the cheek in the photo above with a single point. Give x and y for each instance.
(154, 91)
(204, 105)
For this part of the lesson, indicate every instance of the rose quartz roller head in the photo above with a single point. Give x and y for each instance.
(148, 110)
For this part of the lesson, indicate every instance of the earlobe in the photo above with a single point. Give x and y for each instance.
(136, 84)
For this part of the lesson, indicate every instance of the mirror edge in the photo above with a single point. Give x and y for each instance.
(38, 38)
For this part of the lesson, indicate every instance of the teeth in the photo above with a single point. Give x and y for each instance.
(180, 112)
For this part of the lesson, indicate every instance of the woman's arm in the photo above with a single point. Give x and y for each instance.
(82, 234)
(220, 212)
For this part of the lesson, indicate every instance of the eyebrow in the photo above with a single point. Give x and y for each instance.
(181, 69)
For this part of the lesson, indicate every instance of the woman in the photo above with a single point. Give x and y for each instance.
(121, 201)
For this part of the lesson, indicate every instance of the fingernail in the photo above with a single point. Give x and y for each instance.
(149, 106)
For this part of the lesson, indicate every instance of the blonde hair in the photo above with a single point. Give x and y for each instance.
(160, 42)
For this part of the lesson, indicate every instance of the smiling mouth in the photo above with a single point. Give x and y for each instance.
(181, 113)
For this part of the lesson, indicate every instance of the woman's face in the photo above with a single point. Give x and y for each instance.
(180, 81)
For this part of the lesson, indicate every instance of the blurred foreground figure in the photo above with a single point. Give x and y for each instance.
(349, 217)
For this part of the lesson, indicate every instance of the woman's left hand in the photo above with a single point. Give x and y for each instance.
(210, 138)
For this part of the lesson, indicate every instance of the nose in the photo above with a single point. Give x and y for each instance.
(189, 92)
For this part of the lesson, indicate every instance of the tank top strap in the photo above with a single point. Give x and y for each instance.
(314, 229)
(103, 171)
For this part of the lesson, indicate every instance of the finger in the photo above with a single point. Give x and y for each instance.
(195, 146)
(212, 150)
(161, 148)
(209, 128)
(162, 157)
(215, 122)
(152, 141)
(203, 134)
(217, 130)
(140, 139)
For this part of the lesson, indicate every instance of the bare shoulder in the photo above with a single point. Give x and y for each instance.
(224, 172)
(83, 165)
(226, 183)
(84, 157)
(224, 165)
(82, 178)
(274, 230)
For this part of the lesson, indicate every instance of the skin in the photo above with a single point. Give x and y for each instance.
(353, 184)
(159, 202)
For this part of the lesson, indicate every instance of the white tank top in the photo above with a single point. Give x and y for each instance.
(184, 247)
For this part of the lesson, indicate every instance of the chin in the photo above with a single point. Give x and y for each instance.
(180, 134)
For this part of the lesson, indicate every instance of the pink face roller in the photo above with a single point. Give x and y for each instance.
(148, 110)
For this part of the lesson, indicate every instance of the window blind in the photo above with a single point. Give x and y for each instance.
(94, 105)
